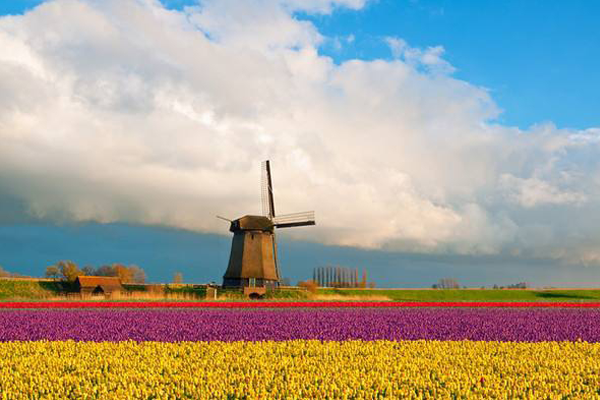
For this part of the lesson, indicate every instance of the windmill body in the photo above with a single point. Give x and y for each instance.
(253, 257)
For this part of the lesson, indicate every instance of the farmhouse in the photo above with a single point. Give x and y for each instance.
(98, 285)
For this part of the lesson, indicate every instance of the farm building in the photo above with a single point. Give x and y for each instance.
(98, 285)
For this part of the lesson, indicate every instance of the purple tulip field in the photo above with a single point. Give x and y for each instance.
(492, 324)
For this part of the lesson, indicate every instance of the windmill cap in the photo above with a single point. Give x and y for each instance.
(252, 223)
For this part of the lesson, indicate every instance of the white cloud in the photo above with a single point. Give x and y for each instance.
(322, 6)
(397, 46)
(430, 58)
(532, 192)
(121, 110)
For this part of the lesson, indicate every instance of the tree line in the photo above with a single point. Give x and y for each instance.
(69, 271)
(450, 283)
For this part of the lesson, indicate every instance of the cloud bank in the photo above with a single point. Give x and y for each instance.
(122, 110)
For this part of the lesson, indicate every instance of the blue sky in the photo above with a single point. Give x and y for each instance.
(492, 205)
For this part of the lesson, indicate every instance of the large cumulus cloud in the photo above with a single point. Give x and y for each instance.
(122, 110)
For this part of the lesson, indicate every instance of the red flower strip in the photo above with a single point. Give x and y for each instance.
(282, 304)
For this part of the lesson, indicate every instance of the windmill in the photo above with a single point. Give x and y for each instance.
(253, 259)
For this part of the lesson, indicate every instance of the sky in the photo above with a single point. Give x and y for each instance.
(432, 138)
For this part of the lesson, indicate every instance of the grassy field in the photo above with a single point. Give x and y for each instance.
(10, 290)
(469, 295)
(44, 290)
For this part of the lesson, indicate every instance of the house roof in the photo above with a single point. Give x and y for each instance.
(103, 281)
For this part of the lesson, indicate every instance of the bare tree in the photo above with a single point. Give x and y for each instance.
(88, 270)
(447, 283)
(106, 270)
(52, 272)
(124, 273)
(137, 274)
(69, 270)
(127, 274)
(520, 285)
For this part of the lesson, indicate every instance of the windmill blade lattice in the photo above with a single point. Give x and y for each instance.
(266, 191)
(305, 218)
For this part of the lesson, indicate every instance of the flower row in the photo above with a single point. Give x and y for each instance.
(290, 304)
(299, 369)
(495, 324)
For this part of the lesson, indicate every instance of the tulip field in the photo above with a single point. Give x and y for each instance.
(396, 324)
(300, 352)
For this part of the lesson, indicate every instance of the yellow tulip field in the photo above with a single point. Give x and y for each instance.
(299, 369)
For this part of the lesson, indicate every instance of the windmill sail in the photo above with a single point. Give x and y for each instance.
(268, 203)
(305, 218)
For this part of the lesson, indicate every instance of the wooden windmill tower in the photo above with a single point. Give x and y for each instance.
(253, 258)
